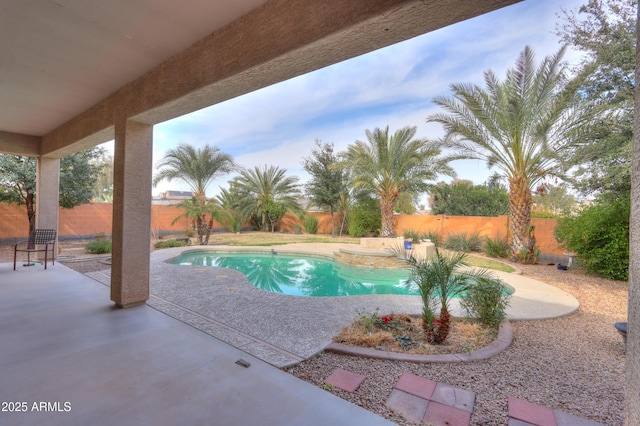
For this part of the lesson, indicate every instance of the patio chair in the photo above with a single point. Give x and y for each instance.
(42, 240)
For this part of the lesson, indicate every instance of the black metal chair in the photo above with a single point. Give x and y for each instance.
(42, 240)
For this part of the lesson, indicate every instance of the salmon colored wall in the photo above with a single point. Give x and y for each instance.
(89, 219)
(85, 220)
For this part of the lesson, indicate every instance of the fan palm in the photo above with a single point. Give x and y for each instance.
(263, 191)
(197, 168)
(523, 125)
(389, 165)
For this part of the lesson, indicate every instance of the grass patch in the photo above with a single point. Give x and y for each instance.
(483, 262)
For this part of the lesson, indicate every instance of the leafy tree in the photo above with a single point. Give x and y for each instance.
(600, 236)
(263, 192)
(77, 177)
(197, 168)
(364, 217)
(388, 165)
(328, 180)
(523, 126)
(103, 188)
(463, 198)
(605, 30)
(554, 200)
(405, 203)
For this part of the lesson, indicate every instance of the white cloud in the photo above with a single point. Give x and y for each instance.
(393, 86)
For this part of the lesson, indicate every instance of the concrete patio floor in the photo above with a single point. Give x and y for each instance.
(74, 359)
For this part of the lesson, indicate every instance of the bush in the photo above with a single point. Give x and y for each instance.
(485, 300)
(600, 237)
(98, 247)
(190, 233)
(364, 219)
(169, 244)
(464, 242)
(411, 234)
(310, 224)
(498, 247)
(297, 229)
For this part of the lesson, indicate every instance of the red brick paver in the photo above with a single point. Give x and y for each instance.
(345, 380)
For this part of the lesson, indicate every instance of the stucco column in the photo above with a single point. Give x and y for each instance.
(632, 368)
(131, 213)
(47, 194)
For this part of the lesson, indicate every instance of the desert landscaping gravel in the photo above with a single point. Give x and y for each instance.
(573, 363)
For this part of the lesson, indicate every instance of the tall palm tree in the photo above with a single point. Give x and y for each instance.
(523, 125)
(266, 191)
(197, 168)
(389, 165)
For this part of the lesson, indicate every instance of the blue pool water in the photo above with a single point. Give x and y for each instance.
(305, 275)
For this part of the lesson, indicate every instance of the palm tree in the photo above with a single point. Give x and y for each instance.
(390, 165)
(439, 279)
(197, 168)
(266, 194)
(523, 125)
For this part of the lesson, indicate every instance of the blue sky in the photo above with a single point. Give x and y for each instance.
(393, 86)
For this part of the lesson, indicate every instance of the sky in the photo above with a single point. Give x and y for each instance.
(393, 86)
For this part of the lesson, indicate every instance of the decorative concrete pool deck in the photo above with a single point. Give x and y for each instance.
(284, 330)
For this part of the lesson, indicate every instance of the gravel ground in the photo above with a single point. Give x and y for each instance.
(574, 363)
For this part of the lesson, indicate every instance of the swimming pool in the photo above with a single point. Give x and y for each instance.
(305, 275)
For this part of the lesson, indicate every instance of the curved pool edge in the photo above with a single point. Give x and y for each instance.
(501, 343)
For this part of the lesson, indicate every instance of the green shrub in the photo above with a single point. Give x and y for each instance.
(169, 244)
(464, 242)
(433, 236)
(486, 300)
(297, 228)
(364, 219)
(498, 247)
(310, 224)
(190, 233)
(600, 237)
(98, 247)
(411, 234)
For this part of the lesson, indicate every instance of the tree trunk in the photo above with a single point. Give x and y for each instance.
(520, 224)
(386, 208)
(31, 213)
(209, 228)
(333, 225)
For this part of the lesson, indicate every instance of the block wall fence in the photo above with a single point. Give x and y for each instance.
(89, 219)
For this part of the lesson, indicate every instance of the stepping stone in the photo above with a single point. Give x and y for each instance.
(416, 385)
(454, 397)
(409, 406)
(444, 415)
(345, 380)
(566, 419)
(530, 413)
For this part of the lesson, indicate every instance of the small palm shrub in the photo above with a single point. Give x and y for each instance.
(486, 300)
(498, 247)
(169, 244)
(464, 242)
(98, 247)
(439, 279)
(311, 224)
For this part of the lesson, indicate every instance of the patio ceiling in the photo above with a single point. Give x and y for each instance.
(70, 68)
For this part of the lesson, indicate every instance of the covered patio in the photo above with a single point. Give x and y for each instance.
(77, 74)
(69, 357)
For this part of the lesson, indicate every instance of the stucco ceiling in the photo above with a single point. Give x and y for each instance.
(60, 57)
